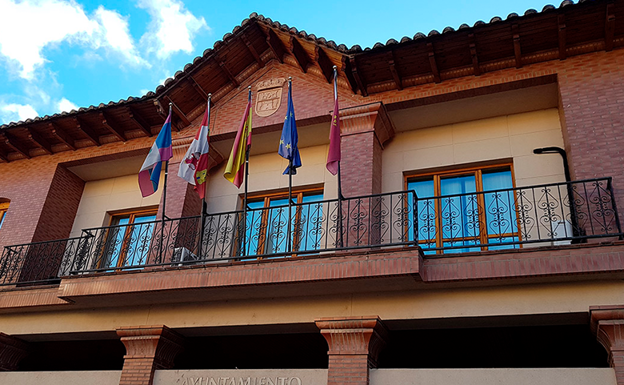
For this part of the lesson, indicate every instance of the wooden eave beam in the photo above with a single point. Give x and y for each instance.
(12, 142)
(346, 69)
(251, 50)
(432, 62)
(4, 157)
(87, 131)
(395, 74)
(200, 91)
(39, 141)
(178, 112)
(515, 30)
(300, 54)
(276, 45)
(227, 72)
(473, 54)
(112, 126)
(609, 26)
(327, 67)
(161, 112)
(138, 121)
(561, 28)
(62, 135)
(356, 76)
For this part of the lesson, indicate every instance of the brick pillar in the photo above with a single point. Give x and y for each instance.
(607, 323)
(354, 345)
(148, 348)
(590, 94)
(364, 130)
(60, 207)
(12, 351)
(55, 222)
(182, 201)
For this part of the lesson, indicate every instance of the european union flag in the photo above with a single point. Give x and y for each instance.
(288, 148)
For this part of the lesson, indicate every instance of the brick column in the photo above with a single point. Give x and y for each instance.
(364, 130)
(182, 201)
(354, 345)
(607, 323)
(590, 108)
(147, 348)
(56, 221)
(12, 351)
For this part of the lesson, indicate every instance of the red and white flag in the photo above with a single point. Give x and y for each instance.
(194, 166)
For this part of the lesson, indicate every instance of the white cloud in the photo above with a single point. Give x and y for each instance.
(66, 105)
(115, 34)
(14, 112)
(172, 27)
(50, 22)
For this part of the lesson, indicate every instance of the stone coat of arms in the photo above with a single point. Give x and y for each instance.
(269, 97)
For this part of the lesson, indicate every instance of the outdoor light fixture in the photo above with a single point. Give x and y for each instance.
(560, 151)
(573, 215)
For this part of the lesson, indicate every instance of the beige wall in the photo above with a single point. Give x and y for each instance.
(417, 304)
(244, 376)
(528, 376)
(61, 378)
(102, 196)
(265, 174)
(461, 144)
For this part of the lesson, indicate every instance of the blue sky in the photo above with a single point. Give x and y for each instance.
(57, 55)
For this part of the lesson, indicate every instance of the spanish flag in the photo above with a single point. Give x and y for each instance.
(235, 169)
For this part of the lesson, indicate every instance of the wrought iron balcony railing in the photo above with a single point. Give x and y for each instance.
(502, 219)
(545, 215)
(275, 232)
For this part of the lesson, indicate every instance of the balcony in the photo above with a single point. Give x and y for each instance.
(524, 217)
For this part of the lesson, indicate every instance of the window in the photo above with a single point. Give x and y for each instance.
(4, 207)
(128, 238)
(465, 210)
(268, 230)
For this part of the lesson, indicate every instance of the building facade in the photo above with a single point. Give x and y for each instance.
(477, 238)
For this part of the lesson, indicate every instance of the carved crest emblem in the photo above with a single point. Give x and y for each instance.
(269, 97)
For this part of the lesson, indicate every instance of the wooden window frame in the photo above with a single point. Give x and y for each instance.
(121, 214)
(298, 194)
(477, 171)
(4, 208)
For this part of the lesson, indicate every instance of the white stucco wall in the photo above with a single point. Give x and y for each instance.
(524, 376)
(102, 196)
(509, 137)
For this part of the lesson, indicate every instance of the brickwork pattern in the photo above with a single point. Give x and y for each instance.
(148, 348)
(354, 344)
(591, 88)
(61, 205)
(182, 200)
(518, 263)
(607, 323)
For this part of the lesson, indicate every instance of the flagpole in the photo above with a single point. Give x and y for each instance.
(164, 197)
(203, 203)
(340, 197)
(290, 164)
(248, 148)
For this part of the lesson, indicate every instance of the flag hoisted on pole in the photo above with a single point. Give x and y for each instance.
(288, 146)
(289, 149)
(235, 168)
(194, 166)
(161, 151)
(333, 156)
